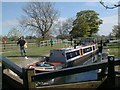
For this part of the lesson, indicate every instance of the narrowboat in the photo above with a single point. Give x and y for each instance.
(65, 57)
(68, 56)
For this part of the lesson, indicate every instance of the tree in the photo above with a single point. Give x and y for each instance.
(109, 7)
(14, 34)
(67, 25)
(86, 23)
(80, 27)
(64, 27)
(116, 31)
(39, 18)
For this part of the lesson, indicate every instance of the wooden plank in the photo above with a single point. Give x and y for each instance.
(8, 64)
(11, 83)
(78, 85)
(68, 71)
(71, 70)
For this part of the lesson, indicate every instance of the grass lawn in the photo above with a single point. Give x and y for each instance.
(13, 51)
(114, 49)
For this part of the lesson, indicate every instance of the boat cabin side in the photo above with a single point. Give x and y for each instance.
(71, 54)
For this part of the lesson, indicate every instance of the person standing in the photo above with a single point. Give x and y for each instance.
(51, 42)
(22, 43)
(4, 42)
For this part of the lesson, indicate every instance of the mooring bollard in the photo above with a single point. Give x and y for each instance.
(111, 71)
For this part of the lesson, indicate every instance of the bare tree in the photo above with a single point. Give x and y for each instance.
(39, 18)
(109, 7)
(64, 27)
(67, 25)
(14, 34)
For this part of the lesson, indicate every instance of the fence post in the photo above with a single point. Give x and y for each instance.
(31, 72)
(25, 79)
(111, 71)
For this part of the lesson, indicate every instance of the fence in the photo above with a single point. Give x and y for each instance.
(41, 43)
(47, 42)
(29, 77)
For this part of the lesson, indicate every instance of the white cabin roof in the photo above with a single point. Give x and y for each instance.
(69, 49)
(72, 48)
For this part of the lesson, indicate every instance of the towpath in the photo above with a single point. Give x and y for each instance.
(24, 62)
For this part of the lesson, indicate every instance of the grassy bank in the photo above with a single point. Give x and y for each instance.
(114, 49)
(13, 51)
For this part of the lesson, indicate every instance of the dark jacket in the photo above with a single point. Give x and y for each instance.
(21, 42)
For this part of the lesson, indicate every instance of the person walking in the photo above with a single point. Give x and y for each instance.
(22, 43)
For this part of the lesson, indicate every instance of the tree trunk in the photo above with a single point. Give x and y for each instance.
(43, 36)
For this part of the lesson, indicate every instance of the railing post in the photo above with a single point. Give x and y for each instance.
(111, 71)
(25, 79)
(31, 72)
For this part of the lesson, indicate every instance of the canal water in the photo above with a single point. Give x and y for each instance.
(80, 77)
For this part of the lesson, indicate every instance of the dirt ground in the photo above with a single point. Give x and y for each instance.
(24, 62)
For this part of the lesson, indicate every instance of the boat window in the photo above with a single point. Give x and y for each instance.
(72, 54)
(93, 47)
(78, 53)
(68, 55)
(85, 50)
